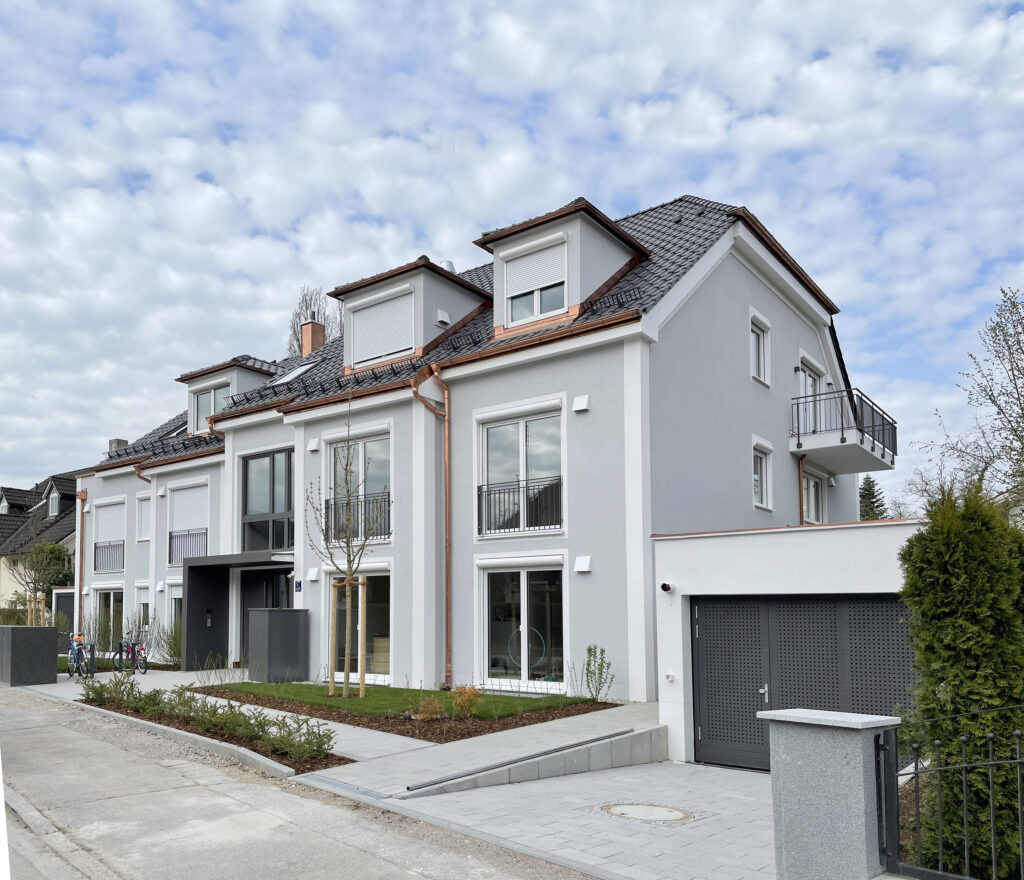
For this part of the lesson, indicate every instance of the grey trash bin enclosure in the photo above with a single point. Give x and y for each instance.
(28, 655)
(278, 644)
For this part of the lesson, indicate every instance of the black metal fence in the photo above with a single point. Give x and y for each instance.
(108, 556)
(184, 544)
(841, 412)
(953, 802)
(368, 516)
(521, 506)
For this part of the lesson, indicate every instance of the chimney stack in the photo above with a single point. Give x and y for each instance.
(312, 336)
(116, 444)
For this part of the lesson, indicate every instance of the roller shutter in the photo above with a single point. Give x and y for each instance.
(536, 270)
(384, 328)
(189, 508)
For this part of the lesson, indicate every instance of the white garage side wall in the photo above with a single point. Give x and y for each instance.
(804, 560)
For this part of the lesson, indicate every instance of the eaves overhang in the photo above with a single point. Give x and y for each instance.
(217, 368)
(423, 263)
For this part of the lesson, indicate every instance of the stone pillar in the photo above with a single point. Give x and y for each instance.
(824, 793)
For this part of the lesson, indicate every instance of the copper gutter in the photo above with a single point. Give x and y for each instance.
(81, 496)
(414, 383)
(138, 473)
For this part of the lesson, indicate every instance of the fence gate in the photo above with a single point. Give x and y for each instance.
(840, 653)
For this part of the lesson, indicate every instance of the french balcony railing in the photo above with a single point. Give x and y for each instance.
(519, 506)
(844, 413)
(184, 544)
(363, 517)
(108, 556)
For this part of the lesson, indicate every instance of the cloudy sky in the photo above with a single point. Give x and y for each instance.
(172, 173)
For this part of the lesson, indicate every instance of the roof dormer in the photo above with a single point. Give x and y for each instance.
(210, 387)
(547, 267)
(398, 313)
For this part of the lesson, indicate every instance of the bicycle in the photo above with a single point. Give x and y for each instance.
(131, 656)
(78, 657)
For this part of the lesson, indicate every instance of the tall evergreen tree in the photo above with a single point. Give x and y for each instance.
(963, 589)
(872, 501)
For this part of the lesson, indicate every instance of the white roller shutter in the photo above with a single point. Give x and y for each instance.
(188, 508)
(383, 328)
(535, 270)
(110, 522)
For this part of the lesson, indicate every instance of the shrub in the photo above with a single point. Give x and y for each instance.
(597, 673)
(465, 700)
(427, 706)
(963, 591)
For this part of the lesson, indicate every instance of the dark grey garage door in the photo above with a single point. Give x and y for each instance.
(843, 653)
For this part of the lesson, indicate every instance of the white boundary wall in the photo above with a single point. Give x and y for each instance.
(800, 560)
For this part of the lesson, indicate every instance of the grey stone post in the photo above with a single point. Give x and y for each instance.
(823, 793)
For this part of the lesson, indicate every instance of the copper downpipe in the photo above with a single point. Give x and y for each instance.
(414, 383)
(800, 486)
(81, 496)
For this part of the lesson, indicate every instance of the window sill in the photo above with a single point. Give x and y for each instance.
(142, 540)
(533, 319)
(494, 536)
(762, 382)
(764, 508)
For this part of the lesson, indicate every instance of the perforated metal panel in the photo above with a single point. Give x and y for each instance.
(840, 653)
(881, 656)
(804, 654)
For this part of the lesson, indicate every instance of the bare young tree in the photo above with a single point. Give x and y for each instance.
(993, 449)
(339, 529)
(37, 571)
(313, 305)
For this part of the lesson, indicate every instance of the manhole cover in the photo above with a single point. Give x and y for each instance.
(648, 812)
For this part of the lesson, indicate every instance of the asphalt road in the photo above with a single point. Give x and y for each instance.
(92, 797)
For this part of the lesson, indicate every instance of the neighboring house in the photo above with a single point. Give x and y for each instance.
(44, 513)
(526, 425)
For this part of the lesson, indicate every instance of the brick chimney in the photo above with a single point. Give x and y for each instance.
(312, 337)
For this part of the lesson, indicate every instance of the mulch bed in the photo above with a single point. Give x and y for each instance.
(438, 730)
(307, 766)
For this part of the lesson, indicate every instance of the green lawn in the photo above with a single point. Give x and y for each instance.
(395, 700)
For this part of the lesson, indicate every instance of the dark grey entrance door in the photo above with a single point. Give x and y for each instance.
(841, 653)
(262, 589)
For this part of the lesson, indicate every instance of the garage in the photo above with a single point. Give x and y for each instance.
(845, 653)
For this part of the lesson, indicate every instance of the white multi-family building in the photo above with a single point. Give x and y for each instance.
(520, 431)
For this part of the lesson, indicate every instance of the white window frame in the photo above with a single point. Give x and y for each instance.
(376, 566)
(822, 480)
(761, 326)
(193, 409)
(54, 503)
(487, 563)
(540, 244)
(537, 313)
(522, 410)
(143, 534)
(361, 437)
(763, 449)
(4, 507)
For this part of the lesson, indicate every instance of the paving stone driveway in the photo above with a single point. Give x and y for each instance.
(563, 820)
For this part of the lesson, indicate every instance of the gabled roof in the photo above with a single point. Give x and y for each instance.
(38, 528)
(242, 361)
(9, 523)
(422, 263)
(576, 206)
(21, 498)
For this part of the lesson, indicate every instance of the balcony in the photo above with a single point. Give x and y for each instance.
(844, 432)
(185, 544)
(364, 517)
(522, 506)
(108, 556)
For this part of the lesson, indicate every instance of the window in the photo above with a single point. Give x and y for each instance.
(808, 403)
(378, 625)
(535, 285)
(206, 404)
(759, 349)
(54, 503)
(142, 519)
(4, 507)
(108, 547)
(292, 374)
(188, 519)
(524, 626)
(176, 611)
(143, 615)
(762, 478)
(268, 516)
(814, 499)
(361, 501)
(383, 329)
(522, 487)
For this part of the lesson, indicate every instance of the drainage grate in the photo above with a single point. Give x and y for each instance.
(648, 812)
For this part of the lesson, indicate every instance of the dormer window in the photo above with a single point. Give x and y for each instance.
(535, 285)
(4, 507)
(383, 327)
(54, 503)
(205, 404)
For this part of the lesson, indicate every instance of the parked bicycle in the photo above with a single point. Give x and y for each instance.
(130, 656)
(78, 657)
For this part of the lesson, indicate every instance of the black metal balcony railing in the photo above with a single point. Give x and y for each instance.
(367, 516)
(521, 506)
(184, 544)
(842, 412)
(108, 556)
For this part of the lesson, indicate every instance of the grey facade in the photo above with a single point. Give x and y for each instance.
(600, 389)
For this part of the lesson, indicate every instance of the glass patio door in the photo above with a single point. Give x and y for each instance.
(810, 385)
(378, 627)
(524, 626)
